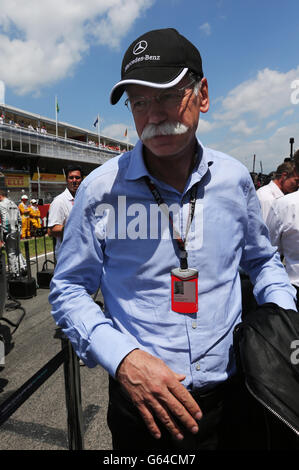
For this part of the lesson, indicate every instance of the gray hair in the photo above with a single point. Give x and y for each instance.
(197, 82)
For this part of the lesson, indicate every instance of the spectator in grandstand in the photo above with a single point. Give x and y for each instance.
(283, 224)
(285, 181)
(35, 220)
(173, 382)
(11, 227)
(25, 215)
(43, 130)
(30, 127)
(2, 119)
(62, 205)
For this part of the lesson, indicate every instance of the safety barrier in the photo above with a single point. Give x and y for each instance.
(70, 361)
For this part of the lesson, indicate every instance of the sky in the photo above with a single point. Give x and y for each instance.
(73, 50)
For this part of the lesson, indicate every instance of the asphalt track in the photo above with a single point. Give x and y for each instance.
(41, 422)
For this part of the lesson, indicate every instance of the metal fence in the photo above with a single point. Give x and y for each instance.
(70, 362)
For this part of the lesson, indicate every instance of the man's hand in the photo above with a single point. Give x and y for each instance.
(156, 390)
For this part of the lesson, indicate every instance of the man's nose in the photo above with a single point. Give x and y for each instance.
(156, 113)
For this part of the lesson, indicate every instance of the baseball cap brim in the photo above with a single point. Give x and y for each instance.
(154, 77)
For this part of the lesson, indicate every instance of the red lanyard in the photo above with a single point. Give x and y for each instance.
(159, 200)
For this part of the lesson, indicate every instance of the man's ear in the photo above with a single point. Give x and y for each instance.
(204, 96)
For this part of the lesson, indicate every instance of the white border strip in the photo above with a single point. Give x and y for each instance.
(150, 84)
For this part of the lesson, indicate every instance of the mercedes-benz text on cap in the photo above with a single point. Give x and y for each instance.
(158, 59)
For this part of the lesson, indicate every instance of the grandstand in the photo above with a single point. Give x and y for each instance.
(34, 150)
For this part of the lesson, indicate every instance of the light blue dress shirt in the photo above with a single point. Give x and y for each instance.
(118, 239)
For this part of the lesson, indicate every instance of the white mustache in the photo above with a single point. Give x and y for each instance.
(166, 128)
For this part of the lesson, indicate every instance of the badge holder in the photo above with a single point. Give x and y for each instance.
(184, 289)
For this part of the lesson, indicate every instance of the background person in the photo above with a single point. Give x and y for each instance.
(285, 181)
(283, 224)
(62, 205)
(173, 382)
(35, 220)
(11, 227)
(25, 215)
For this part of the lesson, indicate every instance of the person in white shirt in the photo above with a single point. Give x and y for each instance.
(284, 182)
(283, 225)
(62, 205)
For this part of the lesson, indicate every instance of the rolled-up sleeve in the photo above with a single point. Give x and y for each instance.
(77, 276)
(56, 214)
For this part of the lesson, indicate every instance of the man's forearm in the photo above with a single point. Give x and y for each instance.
(56, 231)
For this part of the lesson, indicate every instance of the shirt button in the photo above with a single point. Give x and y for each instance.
(197, 366)
(194, 325)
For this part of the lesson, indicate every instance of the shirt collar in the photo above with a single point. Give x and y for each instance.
(275, 189)
(137, 168)
(68, 194)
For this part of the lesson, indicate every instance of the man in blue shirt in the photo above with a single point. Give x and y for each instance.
(163, 230)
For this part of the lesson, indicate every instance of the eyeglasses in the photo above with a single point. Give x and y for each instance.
(167, 99)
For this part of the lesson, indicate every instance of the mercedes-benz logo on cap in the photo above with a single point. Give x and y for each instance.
(139, 47)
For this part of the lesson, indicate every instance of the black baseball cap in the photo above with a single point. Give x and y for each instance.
(158, 59)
